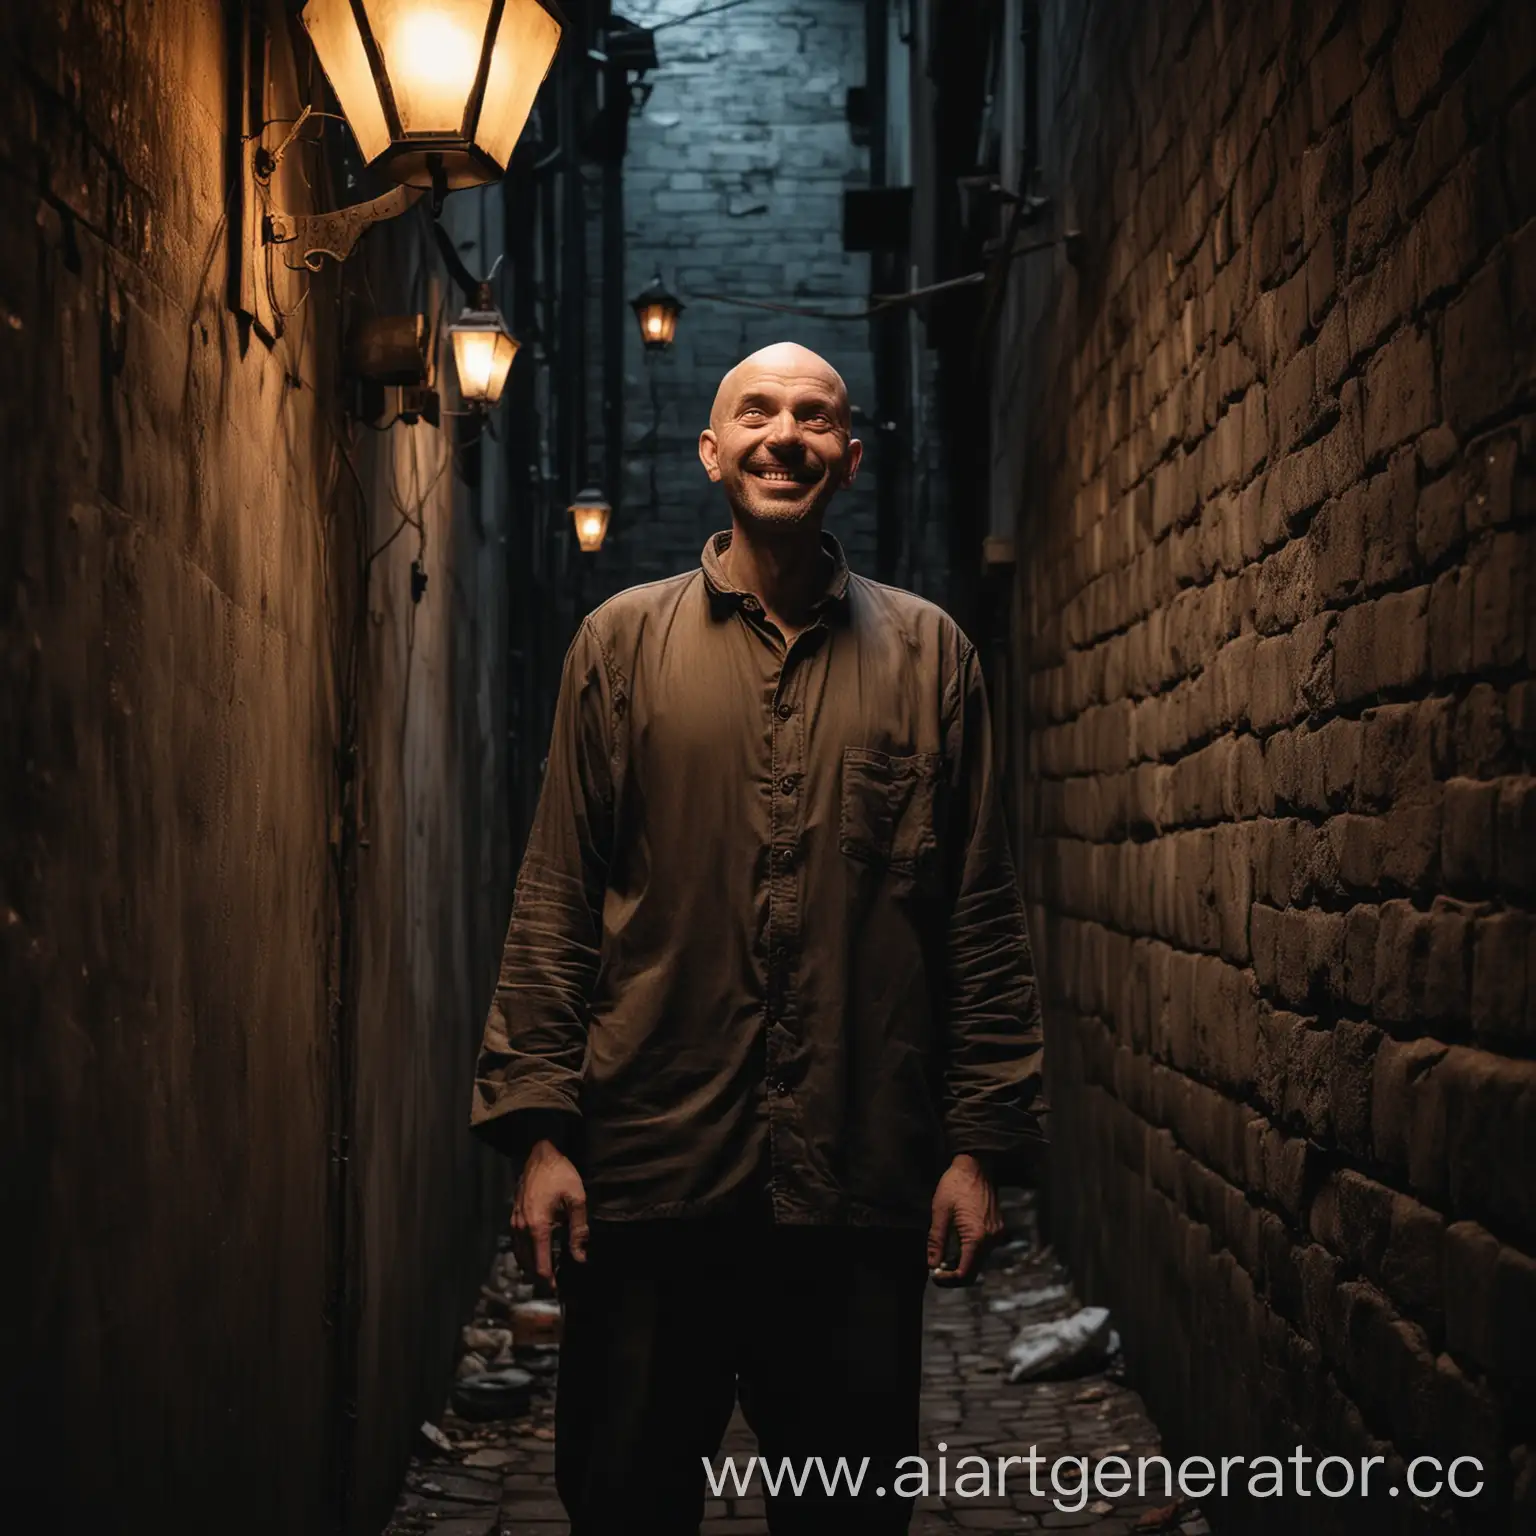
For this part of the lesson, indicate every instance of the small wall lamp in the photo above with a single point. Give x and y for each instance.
(657, 310)
(483, 346)
(590, 512)
(483, 349)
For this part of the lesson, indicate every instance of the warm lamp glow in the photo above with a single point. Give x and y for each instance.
(435, 90)
(432, 53)
(590, 512)
(657, 310)
(483, 349)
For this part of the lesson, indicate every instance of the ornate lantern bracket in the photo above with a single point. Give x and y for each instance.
(318, 235)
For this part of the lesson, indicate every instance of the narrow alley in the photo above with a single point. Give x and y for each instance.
(485, 1478)
(806, 619)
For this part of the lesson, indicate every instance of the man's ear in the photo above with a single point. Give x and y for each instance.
(854, 459)
(709, 453)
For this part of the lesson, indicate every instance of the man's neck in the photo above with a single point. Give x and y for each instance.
(787, 570)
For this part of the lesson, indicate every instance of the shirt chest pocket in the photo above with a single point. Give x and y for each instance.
(888, 816)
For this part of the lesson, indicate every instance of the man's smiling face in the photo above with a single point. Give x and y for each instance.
(779, 437)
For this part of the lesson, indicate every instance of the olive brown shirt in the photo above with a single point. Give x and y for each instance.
(767, 932)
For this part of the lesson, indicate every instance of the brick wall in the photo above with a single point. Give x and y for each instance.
(1275, 634)
(733, 186)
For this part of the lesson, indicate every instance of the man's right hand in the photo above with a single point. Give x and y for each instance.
(549, 1193)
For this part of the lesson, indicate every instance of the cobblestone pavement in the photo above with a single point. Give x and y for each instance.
(497, 1478)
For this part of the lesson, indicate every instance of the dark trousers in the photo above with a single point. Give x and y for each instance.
(817, 1330)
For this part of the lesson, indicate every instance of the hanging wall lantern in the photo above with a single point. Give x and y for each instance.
(436, 91)
(657, 310)
(590, 512)
(483, 349)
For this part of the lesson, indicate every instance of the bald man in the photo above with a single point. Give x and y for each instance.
(767, 1019)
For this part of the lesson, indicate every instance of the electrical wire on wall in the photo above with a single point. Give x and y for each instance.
(649, 441)
(715, 9)
(655, 434)
(886, 303)
(262, 184)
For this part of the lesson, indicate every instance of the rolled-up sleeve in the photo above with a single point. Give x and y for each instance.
(994, 1045)
(531, 1055)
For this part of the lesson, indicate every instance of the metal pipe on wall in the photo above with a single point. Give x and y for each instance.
(893, 421)
(615, 327)
(572, 370)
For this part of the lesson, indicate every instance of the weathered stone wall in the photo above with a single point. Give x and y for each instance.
(188, 944)
(1276, 630)
(733, 186)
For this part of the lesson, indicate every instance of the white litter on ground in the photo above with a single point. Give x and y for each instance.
(1033, 1300)
(1066, 1346)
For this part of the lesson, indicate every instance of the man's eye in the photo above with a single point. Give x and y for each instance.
(751, 414)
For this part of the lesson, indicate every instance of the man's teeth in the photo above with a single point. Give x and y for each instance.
(777, 474)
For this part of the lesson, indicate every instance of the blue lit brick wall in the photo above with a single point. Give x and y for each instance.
(734, 185)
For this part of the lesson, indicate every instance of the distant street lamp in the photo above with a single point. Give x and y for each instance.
(590, 512)
(483, 349)
(657, 309)
(436, 91)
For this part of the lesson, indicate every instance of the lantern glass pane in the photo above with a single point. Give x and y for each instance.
(474, 354)
(521, 56)
(658, 324)
(482, 353)
(591, 520)
(431, 51)
(501, 366)
(338, 45)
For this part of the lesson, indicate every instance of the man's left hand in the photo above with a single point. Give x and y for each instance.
(965, 1201)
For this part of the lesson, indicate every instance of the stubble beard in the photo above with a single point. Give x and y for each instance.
(768, 514)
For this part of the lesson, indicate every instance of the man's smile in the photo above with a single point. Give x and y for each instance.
(781, 476)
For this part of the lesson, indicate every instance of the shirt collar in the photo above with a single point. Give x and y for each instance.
(725, 596)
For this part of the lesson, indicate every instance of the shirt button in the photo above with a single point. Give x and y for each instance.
(789, 783)
(786, 858)
(781, 1088)
(784, 711)
(751, 604)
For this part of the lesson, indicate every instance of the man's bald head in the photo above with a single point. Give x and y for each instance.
(783, 362)
(780, 436)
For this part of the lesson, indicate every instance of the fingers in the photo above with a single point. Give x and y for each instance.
(938, 1231)
(970, 1254)
(549, 1195)
(967, 1268)
(577, 1218)
(543, 1249)
(522, 1244)
(965, 1203)
(522, 1250)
